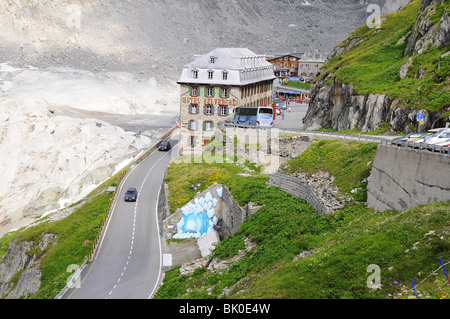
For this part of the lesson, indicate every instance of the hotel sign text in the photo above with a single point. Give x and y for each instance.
(210, 101)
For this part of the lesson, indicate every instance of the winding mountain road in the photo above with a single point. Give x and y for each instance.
(127, 264)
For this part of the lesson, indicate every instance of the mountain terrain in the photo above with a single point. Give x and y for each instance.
(65, 61)
(73, 75)
(159, 37)
(381, 78)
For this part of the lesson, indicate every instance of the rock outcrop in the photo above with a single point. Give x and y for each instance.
(20, 275)
(337, 105)
(426, 32)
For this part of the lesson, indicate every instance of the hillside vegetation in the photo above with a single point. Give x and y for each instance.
(371, 59)
(76, 236)
(300, 254)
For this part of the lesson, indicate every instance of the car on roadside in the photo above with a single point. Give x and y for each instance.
(131, 195)
(445, 147)
(438, 136)
(281, 104)
(439, 146)
(164, 146)
(409, 137)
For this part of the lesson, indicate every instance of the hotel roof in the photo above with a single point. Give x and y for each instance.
(241, 65)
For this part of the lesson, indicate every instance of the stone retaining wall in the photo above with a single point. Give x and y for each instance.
(298, 189)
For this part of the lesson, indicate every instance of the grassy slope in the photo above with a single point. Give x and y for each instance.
(346, 242)
(395, 241)
(349, 162)
(76, 235)
(373, 65)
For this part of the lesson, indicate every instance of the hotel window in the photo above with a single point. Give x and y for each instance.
(208, 126)
(209, 91)
(193, 91)
(208, 110)
(192, 125)
(224, 75)
(224, 93)
(210, 75)
(195, 74)
(193, 109)
(223, 110)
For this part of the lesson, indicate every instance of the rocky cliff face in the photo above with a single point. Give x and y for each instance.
(20, 275)
(337, 105)
(425, 31)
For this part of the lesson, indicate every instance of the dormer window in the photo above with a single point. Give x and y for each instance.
(210, 75)
(212, 59)
(195, 74)
(224, 75)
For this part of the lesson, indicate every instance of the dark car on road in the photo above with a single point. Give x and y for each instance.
(131, 195)
(164, 146)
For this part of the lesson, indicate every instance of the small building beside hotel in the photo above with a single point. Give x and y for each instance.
(305, 66)
(214, 85)
(285, 65)
(309, 65)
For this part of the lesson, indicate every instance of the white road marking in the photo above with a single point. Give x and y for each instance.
(134, 228)
(160, 250)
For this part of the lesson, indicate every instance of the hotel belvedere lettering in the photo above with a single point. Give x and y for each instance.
(210, 101)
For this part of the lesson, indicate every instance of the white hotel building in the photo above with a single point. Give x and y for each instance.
(216, 83)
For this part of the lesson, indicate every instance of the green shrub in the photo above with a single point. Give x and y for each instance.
(349, 162)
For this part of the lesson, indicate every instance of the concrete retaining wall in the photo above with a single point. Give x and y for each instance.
(298, 189)
(230, 214)
(403, 178)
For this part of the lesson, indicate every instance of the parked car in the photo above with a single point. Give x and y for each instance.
(437, 146)
(409, 137)
(164, 146)
(434, 138)
(281, 104)
(131, 195)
